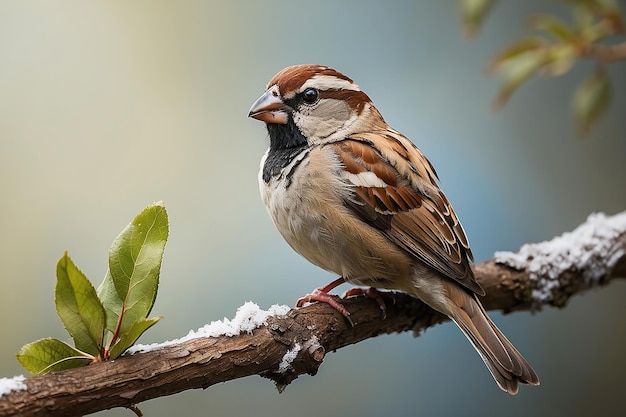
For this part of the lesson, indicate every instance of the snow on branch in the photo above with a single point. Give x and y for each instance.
(281, 344)
(7, 385)
(248, 317)
(593, 249)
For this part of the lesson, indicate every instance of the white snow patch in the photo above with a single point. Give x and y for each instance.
(248, 317)
(590, 248)
(288, 358)
(7, 385)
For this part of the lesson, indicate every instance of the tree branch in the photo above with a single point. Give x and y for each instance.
(287, 346)
(606, 53)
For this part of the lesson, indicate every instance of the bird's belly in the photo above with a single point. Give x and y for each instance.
(317, 225)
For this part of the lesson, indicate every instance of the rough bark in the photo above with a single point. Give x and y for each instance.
(312, 331)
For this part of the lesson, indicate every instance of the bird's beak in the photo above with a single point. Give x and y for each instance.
(269, 108)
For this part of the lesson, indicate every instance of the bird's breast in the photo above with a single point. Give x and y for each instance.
(306, 203)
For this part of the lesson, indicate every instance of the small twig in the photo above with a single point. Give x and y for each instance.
(606, 53)
(135, 410)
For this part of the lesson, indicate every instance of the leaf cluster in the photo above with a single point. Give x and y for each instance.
(103, 323)
(554, 47)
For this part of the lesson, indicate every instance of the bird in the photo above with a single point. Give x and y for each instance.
(355, 197)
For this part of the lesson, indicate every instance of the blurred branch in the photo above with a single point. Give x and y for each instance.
(296, 344)
(554, 48)
(606, 53)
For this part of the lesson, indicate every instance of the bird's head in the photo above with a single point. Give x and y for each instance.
(313, 104)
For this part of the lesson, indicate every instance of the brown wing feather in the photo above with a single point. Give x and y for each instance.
(405, 203)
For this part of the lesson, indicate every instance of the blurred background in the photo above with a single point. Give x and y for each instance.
(108, 106)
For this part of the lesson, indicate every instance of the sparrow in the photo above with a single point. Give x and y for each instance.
(354, 196)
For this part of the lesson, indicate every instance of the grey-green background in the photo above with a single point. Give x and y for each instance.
(107, 106)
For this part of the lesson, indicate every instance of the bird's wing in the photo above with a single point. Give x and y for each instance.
(395, 190)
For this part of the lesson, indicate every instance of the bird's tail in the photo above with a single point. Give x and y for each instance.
(506, 364)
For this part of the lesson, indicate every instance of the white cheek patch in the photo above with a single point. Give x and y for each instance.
(364, 179)
(329, 82)
(327, 118)
(351, 120)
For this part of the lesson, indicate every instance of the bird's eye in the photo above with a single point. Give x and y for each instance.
(310, 95)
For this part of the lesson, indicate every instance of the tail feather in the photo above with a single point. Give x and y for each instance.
(507, 366)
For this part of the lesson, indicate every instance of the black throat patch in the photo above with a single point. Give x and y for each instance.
(286, 143)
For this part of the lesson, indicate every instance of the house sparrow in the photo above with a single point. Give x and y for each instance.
(355, 197)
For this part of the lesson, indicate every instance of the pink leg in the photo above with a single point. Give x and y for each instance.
(374, 294)
(321, 295)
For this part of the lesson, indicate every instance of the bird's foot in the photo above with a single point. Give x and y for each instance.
(374, 294)
(321, 295)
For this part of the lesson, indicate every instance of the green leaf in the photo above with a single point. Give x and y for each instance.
(554, 26)
(517, 70)
(584, 17)
(128, 338)
(529, 44)
(47, 355)
(111, 302)
(79, 307)
(473, 14)
(591, 99)
(597, 19)
(607, 11)
(559, 59)
(598, 6)
(135, 261)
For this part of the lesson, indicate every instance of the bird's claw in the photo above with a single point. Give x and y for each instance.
(374, 294)
(321, 295)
